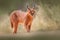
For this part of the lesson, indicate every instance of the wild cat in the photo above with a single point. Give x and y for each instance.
(20, 17)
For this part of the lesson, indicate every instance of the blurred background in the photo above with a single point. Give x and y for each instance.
(47, 14)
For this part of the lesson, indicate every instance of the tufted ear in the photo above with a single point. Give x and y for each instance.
(34, 7)
(28, 7)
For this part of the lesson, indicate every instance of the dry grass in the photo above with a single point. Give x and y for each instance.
(46, 19)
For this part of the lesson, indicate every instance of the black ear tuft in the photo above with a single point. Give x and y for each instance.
(28, 7)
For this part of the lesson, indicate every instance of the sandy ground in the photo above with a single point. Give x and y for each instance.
(52, 35)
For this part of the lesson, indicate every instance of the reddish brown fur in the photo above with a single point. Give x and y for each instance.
(18, 17)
